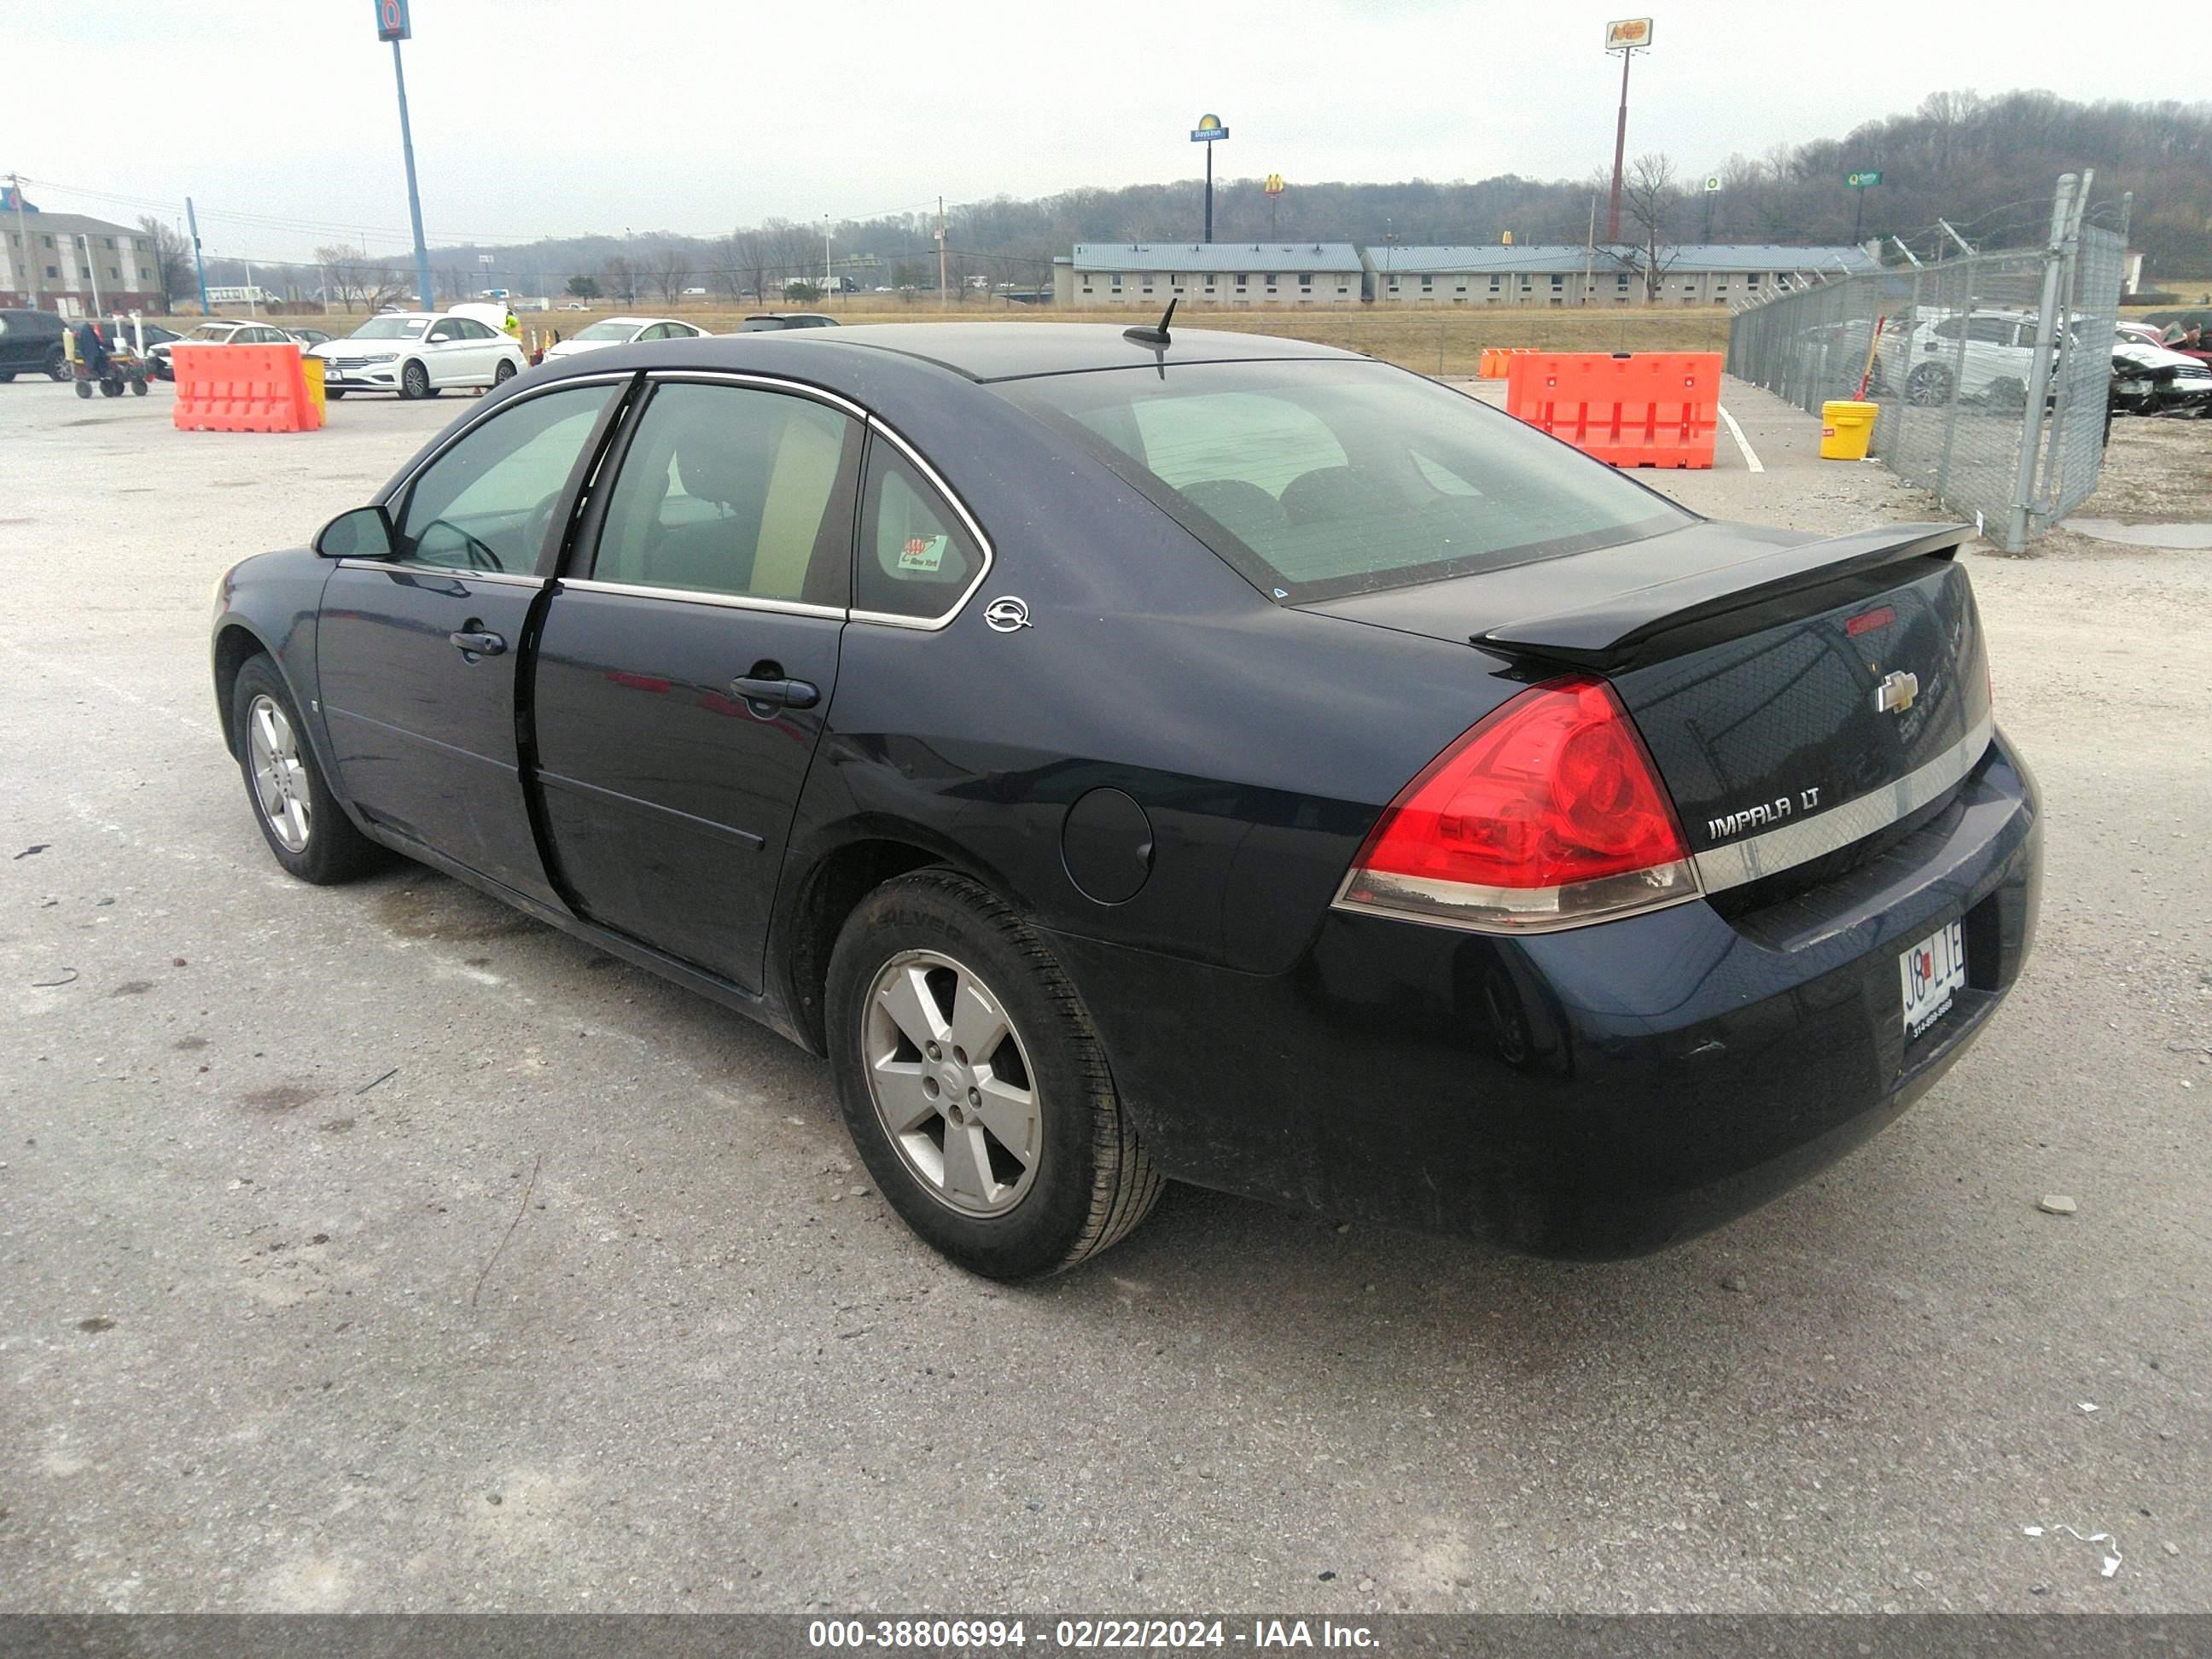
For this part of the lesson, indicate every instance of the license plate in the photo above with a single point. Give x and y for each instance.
(1933, 972)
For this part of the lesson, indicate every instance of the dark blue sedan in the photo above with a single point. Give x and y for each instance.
(1208, 757)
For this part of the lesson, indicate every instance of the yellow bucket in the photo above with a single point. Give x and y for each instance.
(1846, 430)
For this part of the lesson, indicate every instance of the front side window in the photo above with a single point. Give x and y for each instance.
(487, 503)
(916, 558)
(732, 491)
(1318, 479)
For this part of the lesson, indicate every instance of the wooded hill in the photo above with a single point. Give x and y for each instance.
(1987, 164)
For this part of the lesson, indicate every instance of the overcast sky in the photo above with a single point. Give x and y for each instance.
(559, 117)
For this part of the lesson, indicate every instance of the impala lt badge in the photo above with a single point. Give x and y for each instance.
(1007, 614)
(1896, 692)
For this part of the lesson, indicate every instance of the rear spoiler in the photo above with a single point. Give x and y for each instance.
(1615, 631)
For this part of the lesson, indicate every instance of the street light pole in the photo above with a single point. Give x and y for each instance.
(29, 259)
(91, 275)
(199, 259)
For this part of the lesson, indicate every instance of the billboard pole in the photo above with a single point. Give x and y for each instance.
(394, 24)
(1628, 36)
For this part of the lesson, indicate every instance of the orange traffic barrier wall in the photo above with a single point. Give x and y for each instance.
(1497, 359)
(241, 389)
(1641, 408)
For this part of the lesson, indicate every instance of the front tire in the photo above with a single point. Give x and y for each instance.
(973, 1085)
(307, 830)
(415, 381)
(333, 393)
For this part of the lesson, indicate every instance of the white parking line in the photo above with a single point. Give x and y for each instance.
(1750, 456)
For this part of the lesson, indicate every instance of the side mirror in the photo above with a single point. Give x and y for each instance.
(363, 533)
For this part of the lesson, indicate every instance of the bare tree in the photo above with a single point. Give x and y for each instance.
(746, 259)
(346, 273)
(618, 278)
(1650, 195)
(669, 271)
(172, 256)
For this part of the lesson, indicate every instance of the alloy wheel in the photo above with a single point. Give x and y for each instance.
(952, 1083)
(280, 777)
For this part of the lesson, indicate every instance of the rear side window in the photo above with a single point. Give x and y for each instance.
(732, 491)
(916, 558)
(1319, 478)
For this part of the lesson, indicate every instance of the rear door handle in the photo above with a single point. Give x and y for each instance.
(477, 644)
(776, 693)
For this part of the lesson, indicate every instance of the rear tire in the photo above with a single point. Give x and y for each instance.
(415, 381)
(111, 387)
(7, 377)
(502, 374)
(933, 954)
(1928, 385)
(57, 365)
(138, 388)
(307, 830)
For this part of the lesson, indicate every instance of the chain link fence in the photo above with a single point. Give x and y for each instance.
(1951, 352)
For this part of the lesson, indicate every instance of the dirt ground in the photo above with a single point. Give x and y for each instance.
(2156, 470)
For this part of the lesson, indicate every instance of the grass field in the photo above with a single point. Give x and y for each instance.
(1435, 342)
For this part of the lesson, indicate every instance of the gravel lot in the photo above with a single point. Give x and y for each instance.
(260, 1145)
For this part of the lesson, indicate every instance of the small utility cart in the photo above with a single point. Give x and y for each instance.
(126, 363)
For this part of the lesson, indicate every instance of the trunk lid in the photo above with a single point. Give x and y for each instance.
(1799, 696)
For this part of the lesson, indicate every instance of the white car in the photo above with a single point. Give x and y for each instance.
(1984, 355)
(623, 330)
(419, 354)
(220, 332)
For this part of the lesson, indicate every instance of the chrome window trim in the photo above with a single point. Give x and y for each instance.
(1740, 862)
(936, 481)
(771, 382)
(458, 572)
(735, 602)
(694, 595)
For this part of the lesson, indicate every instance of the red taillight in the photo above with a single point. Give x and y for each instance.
(1548, 813)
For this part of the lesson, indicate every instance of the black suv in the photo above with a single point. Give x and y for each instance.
(31, 340)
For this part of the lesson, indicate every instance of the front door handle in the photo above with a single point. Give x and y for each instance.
(477, 643)
(776, 693)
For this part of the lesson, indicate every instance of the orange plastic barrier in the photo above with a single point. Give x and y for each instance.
(1642, 409)
(242, 389)
(1497, 359)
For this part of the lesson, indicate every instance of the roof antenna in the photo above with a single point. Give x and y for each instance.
(1153, 336)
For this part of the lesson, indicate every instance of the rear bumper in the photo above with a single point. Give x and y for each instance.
(1600, 1092)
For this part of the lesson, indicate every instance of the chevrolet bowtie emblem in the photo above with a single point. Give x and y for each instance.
(1896, 692)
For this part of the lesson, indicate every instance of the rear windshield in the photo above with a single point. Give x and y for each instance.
(1316, 479)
